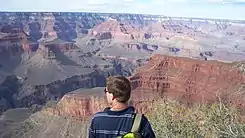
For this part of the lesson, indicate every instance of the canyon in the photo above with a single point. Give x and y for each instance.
(186, 80)
(158, 79)
(55, 65)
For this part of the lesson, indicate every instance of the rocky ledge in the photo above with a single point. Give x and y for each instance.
(187, 80)
(85, 102)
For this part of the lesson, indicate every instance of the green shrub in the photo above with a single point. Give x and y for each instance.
(174, 120)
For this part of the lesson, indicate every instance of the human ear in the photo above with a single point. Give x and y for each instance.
(113, 97)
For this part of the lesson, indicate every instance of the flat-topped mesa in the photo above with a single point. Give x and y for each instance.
(184, 79)
(189, 80)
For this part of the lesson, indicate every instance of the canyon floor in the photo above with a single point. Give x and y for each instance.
(55, 74)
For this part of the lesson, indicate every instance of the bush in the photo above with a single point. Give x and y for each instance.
(172, 119)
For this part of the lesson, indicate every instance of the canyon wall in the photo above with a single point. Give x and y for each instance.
(18, 92)
(8, 88)
(86, 102)
(118, 43)
(187, 80)
(39, 94)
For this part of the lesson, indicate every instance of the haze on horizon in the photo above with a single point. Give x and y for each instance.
(219, 9)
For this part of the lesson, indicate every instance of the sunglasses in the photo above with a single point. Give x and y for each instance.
(105, 90)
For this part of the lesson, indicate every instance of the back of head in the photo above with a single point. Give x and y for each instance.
(120, 87)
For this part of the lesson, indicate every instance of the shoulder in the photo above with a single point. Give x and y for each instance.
(96, 119)
(144, 119)
(144, 122)
(145, 128)
(99, 114)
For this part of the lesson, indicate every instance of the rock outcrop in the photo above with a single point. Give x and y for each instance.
(85, 102)
(190, 80)
(187, 80)
(9, 87)
(186, 34)
(117, 30)
(119, 43)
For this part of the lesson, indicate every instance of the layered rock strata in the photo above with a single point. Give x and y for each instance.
(187, 80)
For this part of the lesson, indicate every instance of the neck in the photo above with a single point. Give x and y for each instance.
(116, 106)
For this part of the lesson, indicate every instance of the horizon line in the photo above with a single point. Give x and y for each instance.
(207, 18)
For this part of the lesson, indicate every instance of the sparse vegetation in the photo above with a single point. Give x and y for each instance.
(174, 120)
(51, 103)
(241, 66)
(169, 119)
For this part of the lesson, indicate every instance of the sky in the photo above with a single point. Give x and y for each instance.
(221, 9)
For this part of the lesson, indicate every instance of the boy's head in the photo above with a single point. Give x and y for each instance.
(118, 88)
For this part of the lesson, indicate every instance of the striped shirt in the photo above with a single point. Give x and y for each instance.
(110, 124)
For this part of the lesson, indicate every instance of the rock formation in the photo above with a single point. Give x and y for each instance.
(75, 49)
(190, 80)
(118, 30)
(184, 79)
(56, 53)
(85, 102)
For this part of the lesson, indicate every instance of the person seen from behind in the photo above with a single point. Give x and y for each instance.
(120, 120)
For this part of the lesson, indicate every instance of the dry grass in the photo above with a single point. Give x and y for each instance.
(172, 119)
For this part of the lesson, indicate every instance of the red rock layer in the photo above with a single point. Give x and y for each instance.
(118, 30)
(184, 79)
(87, 104)
(78, 105)
(189, 80)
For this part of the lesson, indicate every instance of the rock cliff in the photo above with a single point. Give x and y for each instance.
(190, 80)
(118, 30)
(33, 87)
(187, 80)
(85, 102)
(8, 88)
(190, 36)
(89, 43)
